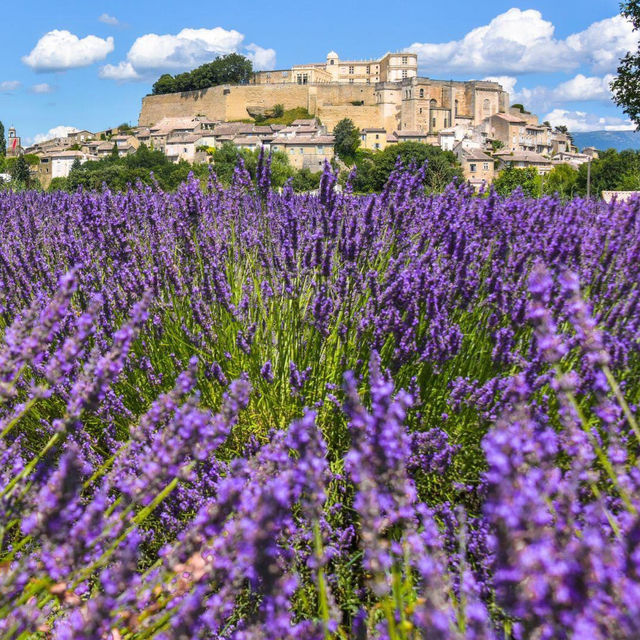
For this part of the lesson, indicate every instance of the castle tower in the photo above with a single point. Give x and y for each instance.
(333, 65)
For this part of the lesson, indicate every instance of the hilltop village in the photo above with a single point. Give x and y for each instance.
(385, 98)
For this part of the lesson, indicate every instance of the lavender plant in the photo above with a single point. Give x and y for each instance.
(241, 413)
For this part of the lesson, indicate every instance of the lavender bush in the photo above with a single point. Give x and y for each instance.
(235, 413)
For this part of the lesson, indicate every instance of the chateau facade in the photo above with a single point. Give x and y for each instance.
(385, 93)
(392, 67)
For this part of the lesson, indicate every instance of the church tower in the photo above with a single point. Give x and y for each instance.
(14, 148)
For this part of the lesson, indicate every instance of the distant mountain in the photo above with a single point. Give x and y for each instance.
(601, 140)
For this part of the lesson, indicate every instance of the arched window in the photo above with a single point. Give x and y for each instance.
(486, 107)
(432, 103)
(422, 93)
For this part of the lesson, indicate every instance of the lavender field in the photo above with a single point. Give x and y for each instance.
(235, 413)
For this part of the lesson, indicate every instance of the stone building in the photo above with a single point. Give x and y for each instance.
(305, 152)
(414, 103)
(392, 67)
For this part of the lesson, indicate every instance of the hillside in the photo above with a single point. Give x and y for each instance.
(618, 140)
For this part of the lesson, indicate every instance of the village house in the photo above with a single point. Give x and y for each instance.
(373, 139)
(182, 146)
(58, 164)
(523, 160)
(305, 152)
(478, 167)
(570, 158)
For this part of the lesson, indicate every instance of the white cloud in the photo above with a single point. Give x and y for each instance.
(105, 18)
(604, 43)
(582, 121)
(57, 132)
(519, 42)
(152, 54)
(9, 86)
(187, 49)
(263, 59)
(122, 72)
(580, 88)
(61, 50)
(43, 87)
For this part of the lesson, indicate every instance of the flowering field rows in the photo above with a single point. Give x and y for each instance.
(231, 413)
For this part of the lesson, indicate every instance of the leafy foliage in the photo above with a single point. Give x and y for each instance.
(231, 68)
(626, 85)
(347, 140)
(375, 168)
(513, 178)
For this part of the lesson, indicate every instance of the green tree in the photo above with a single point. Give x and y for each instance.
(511, 178)
(20, 172)
(562, 180)
(441, 166)
(3, 141)
(347, 140)
(626, 86)
(612, 171)
(232, 68)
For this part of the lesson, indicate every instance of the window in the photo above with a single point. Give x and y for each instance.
(226, 92)
(368, 68)
(377, 145)
(472, 168)
(404, 74)
(285, 74)
(433, 122)
(422, 93)
(332, 61)
(377, 137)
(302, 78)
(485, 166)
(405, 59)
(350, 80)
(351, 70)
(486, 107)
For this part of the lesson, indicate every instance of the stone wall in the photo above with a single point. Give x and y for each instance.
(363, 117)
(230, 102)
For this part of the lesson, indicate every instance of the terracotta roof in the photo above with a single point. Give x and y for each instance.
(522, 156)
(183, 138)
(410, 134)
(301, 140)
(477, 155)
(510, 118)
(232, 128)
(65, 154)
(242, 139)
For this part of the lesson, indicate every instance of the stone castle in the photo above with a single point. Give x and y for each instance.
(386, 93)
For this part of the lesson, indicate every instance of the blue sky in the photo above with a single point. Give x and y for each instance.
(82, 64)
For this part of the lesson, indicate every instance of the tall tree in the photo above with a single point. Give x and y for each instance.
(3, 141)
(626, 86)
(20, 172)
(347, 140)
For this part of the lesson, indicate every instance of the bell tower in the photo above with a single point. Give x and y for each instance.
(14, 148)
